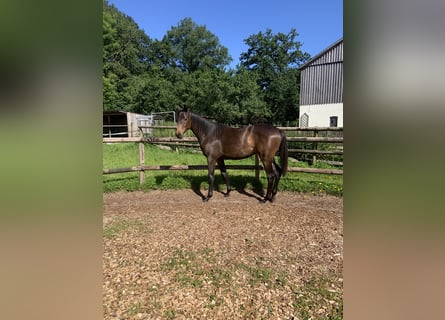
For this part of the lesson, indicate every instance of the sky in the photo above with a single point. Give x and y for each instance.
(319, 23)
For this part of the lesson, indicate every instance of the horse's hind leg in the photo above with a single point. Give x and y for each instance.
(277, 171)
(273, 173)
(222, 168)
(270, 174)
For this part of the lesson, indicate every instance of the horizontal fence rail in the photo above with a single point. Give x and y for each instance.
(176, 167)
(193, 142)
(204, 167)
(192, 139)
(281, 128)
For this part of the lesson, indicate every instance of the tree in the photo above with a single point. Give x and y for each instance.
(191, 47)
(275, 59)
(249, 98)
(125, 55)
(187, 68)
(153, 93)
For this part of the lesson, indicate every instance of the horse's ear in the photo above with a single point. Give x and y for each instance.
(178, 110)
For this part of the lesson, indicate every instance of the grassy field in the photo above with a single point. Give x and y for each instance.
(118, 155)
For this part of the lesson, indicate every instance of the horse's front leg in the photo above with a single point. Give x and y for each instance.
(211, 167)
(222, 168)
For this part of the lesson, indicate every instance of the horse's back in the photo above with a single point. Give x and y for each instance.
(266, 131)
(237, 143)
(267, 137)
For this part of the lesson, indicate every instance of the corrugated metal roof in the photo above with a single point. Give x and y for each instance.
(321, 80)
(317, 56)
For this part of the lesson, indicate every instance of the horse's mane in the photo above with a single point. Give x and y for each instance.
(202, 124)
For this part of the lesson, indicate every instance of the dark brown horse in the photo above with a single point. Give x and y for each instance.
(219, 142)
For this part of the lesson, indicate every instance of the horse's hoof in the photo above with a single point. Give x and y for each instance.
(267, 199)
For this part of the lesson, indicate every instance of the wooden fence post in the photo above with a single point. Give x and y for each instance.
(314, 147)
(141, 162)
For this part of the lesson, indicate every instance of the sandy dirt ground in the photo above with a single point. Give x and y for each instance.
(168, 255)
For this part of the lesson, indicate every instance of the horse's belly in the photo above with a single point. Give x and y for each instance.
(239, 152)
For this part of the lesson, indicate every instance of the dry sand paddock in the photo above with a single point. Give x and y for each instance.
(168, 255)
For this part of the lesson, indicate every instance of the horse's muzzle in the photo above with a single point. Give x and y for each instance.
(179, 135)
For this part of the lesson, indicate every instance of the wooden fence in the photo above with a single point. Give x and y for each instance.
(312, 135)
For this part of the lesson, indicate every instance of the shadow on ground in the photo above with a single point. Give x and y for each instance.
(248, 186)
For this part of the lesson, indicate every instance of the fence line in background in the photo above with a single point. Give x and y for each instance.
(193, 142)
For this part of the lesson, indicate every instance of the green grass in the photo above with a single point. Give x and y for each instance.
(316, 294)
(192, 269)
(119, 155)
(260, 275)
(115, 228)
(134, 309)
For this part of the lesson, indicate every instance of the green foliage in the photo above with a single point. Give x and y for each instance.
(191, 47)
(271, 53)
(153, 93)
(275, 59)
(125, 52)
(188, 68)
(231, 98)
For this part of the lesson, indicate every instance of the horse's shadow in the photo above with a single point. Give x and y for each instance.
(238, 183)
(248, 186)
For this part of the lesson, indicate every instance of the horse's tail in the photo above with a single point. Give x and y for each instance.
(283, 153)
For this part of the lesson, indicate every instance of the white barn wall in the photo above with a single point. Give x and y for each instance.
(321, 88)
(319, 114)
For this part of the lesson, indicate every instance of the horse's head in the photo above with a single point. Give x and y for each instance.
(184, 123)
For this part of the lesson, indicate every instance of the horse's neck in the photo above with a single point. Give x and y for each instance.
(200, 126)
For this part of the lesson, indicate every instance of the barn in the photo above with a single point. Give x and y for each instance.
(321, 89)
(124, 124)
